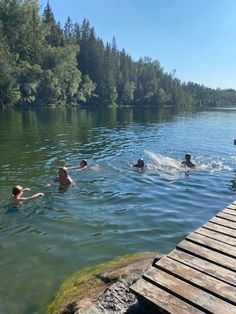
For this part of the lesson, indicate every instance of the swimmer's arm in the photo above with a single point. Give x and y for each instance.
(30, 198)
(70, 181)
(26, 189)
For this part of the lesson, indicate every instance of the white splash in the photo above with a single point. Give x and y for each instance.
(171, 168)
(168, 168)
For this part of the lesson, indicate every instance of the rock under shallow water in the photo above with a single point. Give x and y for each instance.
(117, 298)
(105, 289)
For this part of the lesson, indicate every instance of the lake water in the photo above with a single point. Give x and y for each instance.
(113, 209)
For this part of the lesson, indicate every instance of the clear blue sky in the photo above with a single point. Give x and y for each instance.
(197, 38)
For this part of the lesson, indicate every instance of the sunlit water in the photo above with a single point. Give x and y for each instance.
(113, 209)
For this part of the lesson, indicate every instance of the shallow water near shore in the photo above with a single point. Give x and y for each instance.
(113, 209)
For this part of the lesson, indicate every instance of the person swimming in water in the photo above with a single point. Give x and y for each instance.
(139, 164)
(83, 164)
(63, 177)
(187, 162)
(17, 194)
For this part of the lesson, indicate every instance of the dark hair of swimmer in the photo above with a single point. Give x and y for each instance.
(83, 163)
(188, 156)
(139, 164)
(187, 162)
(17, 190)
(62, 171)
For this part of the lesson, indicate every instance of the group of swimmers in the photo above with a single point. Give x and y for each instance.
(187, 163)
(64, 179)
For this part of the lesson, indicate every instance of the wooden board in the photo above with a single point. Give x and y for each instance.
(229, 211)
(213, 244)
(208, 254)
(188, 293)
(220, 229)
(199, 276)
(204, 266)
(223, 222)
(232, 206)
(226, 216)
(198, 279)
(216, 236)
(162, 299)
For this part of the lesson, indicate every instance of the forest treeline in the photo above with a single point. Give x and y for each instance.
(42, 62)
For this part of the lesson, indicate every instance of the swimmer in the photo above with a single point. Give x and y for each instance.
(187, 162)
(63, 177)
(17, 194)
(83, 164)
(139, 164)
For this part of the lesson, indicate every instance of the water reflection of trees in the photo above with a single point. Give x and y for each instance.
(76, 122)
(38, 130)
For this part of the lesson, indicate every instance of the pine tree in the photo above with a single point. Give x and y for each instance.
(54, 34)
(69, 31)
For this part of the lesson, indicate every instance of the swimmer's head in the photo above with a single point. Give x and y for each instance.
(17, 189)
(188, 157)
(83, 163)
(140, 163)
(62, 172)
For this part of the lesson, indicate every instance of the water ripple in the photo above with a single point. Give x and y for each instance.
(113, 208)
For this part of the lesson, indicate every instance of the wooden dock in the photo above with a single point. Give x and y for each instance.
(199, 276)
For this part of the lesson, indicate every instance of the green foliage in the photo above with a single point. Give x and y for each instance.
(43, 63)
(9, 92)
(69, 31)
(53, 32)
(86, 89)
(29, 78)
(127, 95)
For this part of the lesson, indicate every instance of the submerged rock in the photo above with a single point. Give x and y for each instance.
(105, 288)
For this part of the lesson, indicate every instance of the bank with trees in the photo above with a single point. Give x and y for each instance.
(43, 62)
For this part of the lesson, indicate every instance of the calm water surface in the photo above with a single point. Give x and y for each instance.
(113, 209)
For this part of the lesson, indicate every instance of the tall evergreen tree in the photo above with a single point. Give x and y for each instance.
(42, 62)
(54, 35)
(69, 31)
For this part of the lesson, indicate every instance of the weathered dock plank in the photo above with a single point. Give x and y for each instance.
(189, 293)
(212, 244)
(220, 229)
(216, 235)
(226, 216)
(199, 276)
(204, 266)
(161, 299)
(229, 211)
(198, 279)
(208, 254)
(223, 222)
(232, 206)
